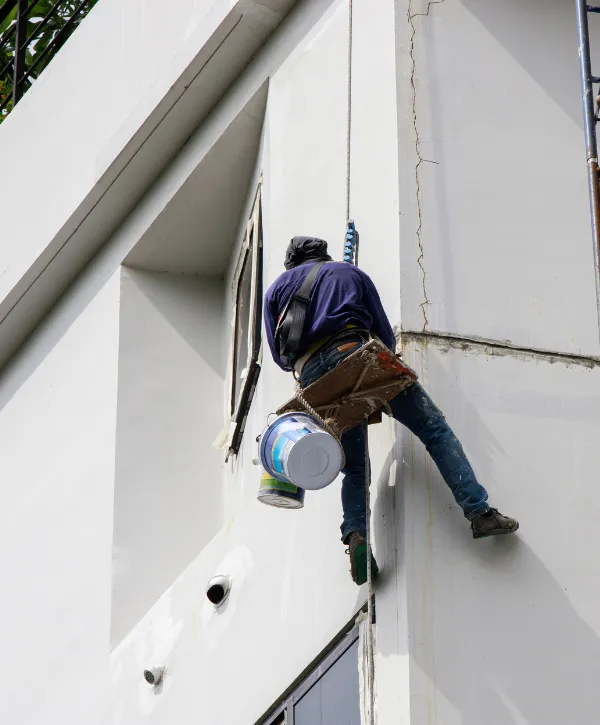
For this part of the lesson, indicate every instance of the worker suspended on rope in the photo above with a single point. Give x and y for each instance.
(343, 310)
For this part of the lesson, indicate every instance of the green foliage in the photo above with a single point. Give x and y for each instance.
(41, 32)
(5, 92)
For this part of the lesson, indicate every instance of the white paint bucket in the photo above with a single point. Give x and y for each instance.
(294, 448)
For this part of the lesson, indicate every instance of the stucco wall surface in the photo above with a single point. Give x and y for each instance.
(58, 412)
(508, 626)
(495, 224)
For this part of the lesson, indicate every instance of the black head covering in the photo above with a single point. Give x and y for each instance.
(305, 249)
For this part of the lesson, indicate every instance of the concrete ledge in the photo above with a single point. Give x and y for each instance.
(90, 186)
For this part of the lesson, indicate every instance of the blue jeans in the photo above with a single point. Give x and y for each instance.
(414, 409)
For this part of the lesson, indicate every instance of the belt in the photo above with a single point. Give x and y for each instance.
(346, 331)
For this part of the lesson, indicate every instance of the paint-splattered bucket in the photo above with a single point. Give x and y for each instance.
(281, 494)
(295, 449)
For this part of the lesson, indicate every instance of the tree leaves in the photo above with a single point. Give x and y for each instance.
(49, 25)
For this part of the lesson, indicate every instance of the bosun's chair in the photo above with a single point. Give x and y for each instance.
(357, 389)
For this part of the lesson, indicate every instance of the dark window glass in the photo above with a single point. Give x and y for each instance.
(247, 328)
(334, 699)
(243, 322)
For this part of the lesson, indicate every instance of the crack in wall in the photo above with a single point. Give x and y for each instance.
(498, 348)
(420, 159)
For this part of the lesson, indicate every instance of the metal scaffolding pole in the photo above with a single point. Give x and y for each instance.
(589, 124)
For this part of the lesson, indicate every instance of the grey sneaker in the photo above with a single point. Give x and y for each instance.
(493, 523)
(357, 548)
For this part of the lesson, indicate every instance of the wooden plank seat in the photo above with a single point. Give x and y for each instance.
(357, 388)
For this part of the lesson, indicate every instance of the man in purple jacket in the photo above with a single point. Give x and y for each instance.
(343, 311)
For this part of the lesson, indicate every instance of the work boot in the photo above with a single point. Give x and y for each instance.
(493, 523)
(357, 548)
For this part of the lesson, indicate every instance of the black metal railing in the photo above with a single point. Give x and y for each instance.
(31, 33)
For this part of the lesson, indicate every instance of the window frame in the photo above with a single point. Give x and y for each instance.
(283, 711)
(241, 395)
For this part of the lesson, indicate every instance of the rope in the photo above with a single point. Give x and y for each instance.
(368, 394)
(324, 423)
(361, 377)
(354, 394)
(370, 602)
(371, 662)
(349, 116)
(313, 411)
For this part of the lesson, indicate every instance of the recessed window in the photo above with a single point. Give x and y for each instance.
(242, 328)
(329, 694)
(246, 342)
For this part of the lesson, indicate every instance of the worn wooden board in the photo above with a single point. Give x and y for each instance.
(333, 395)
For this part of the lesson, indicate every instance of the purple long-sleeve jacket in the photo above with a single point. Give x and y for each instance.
(342, 294)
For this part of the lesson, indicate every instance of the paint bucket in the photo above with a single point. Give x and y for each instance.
(295, 449)
(280, 494)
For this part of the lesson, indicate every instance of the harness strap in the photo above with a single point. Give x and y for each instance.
(291, 323)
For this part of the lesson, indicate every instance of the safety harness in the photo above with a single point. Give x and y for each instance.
(290, 326)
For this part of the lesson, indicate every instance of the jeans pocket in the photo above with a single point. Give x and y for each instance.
(334, 356)
(328, 359)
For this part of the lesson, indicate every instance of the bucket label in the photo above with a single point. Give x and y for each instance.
(281, 449)
(293, 424)
(268, 483)
(290, 431)
(282, 445)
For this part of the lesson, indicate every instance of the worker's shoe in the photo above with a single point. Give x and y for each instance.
(357, 549)
(493, 523)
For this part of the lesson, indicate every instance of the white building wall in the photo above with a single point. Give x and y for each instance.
(168, 493)
(503, 630)
(57, 445)
(508, 627)
(500, 631)
(105, 118)
(292, 593)
(503, 208)
(95, 100)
